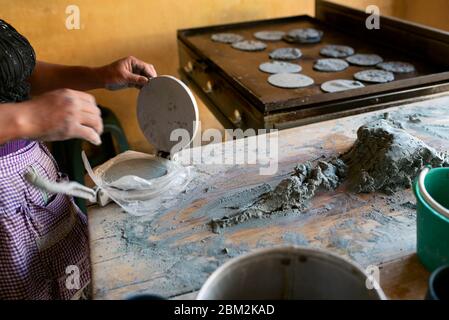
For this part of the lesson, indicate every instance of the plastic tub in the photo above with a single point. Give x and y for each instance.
(431, 190)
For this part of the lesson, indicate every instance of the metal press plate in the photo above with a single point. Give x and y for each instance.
(164, 105)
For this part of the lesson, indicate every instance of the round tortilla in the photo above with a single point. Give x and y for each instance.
(374, 76)
(226, 37)
(330, 65)
(249, 45)
(337, 51)
(362, 59)
(341, 85)
(269, 35)
(147, 169)
(304, 35)
(397, 67)
(290, 80)
(274, 67)
(286, 54)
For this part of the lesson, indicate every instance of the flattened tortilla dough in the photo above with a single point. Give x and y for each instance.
(290, 80)
(330, 65)
(341, 85)
(269, 35)
(274, 67)
(226, 37)
(304, 35)
(374, 76)
(147, 169)
(337, 51)
(362, 59)
(397, 66)
(249, 45)
(286, 54)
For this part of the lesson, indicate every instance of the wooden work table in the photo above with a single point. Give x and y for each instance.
(173, 252)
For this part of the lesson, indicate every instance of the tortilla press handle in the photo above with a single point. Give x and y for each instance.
(73, 189)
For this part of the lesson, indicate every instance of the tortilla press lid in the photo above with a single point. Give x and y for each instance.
(166, 104)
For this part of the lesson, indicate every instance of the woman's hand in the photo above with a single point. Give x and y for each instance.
(126, 72)
(60, 115)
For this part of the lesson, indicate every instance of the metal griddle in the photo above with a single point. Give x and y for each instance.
(230, 83)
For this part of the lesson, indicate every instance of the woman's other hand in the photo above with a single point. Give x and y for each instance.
(126, 72)
(60, 115)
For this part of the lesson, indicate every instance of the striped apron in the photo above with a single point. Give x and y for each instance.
(44, 250)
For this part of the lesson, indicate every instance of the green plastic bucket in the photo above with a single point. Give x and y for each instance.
(431, 189)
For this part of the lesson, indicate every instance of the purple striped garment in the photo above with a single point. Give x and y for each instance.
(13, 146)
(43, 238)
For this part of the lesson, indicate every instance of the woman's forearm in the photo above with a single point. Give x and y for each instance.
(47, 77)
(11, 126)
(123, 73)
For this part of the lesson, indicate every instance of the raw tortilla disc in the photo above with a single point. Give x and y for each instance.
(307, 35)
(397, 66)
(290, 80)
(280, 67)
(364, 59)
(305, 41)
(147, 169)
(330, 65)
(249, 45)
(286, 54)
(341, 85)
(337, 51)
(226, 37)
(269, 35)
(374, 76)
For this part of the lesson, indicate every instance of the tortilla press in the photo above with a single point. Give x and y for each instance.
(163, 105)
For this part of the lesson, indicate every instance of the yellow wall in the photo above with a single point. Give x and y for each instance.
(434, 13)
(145, 28)
(387, 7)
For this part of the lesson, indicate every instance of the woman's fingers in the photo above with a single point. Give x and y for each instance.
(89, 107)
(88, 124)
(143, 68)
(80, 100)
(80, 95)
(87, 133)
(127, 72)
(87, 102)
(150, 71)
(62, 114)
(93, 121)
(137, 80)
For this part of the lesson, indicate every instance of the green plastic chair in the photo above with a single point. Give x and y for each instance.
(68, 153)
